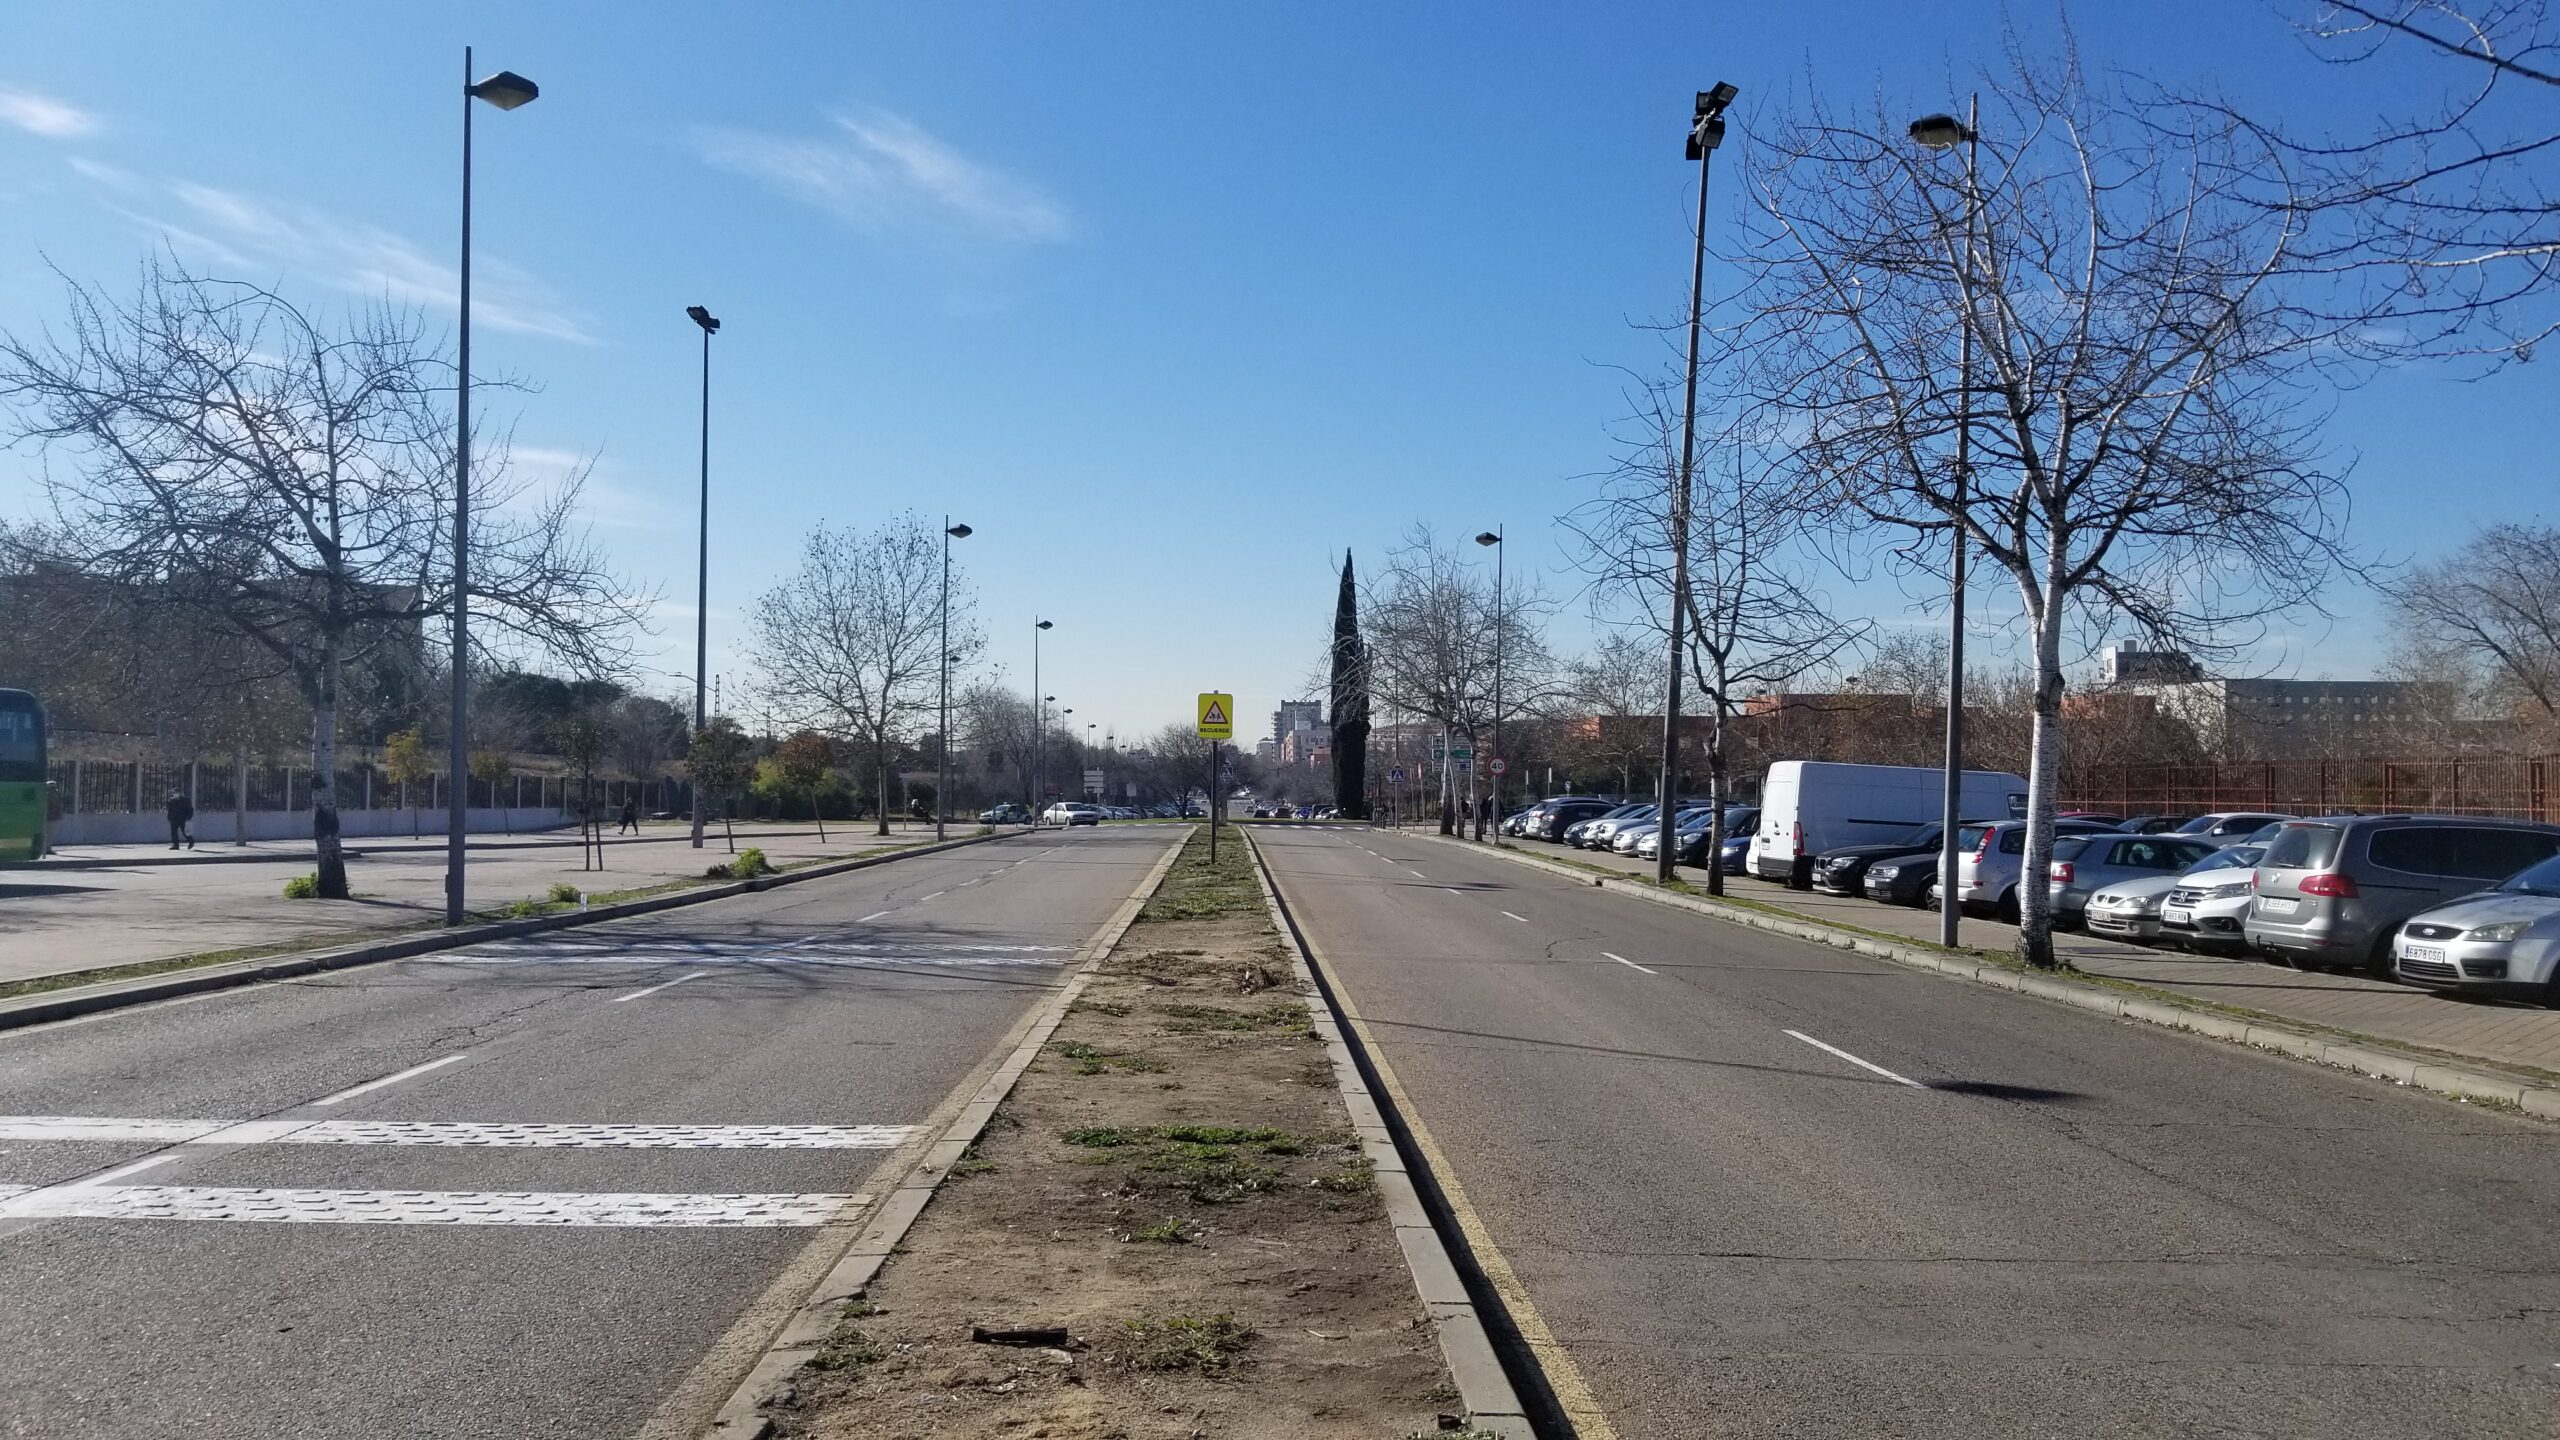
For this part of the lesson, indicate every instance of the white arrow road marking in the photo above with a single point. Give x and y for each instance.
(1854, 1060)
(394, 1078)
(1630, 964)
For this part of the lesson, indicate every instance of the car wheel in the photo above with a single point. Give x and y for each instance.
(2006, 911)
(2377, 962)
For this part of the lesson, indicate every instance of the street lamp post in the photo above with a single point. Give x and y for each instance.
(942, 761)
(1942, 132)
(1039, 712)
(1091, 792)
(1493, 538)
(702, 558)
(506, 90)
(1706, 132)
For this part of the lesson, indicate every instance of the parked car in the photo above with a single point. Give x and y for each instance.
(2205, 909)
(1628, 837)
(1601, 832)
(2229, 827)
(1990, 857)
(1736, 859)
(2502, 941)
(1071, 812)
(1807, 807)
(1007, 813)
(2085, 864)
(1738, 823)
(1842, 870)
(1557, 816)
(2334, 891)
(2152, 824)
(1903, 879)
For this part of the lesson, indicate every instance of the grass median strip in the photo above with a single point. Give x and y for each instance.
(1168, 1201)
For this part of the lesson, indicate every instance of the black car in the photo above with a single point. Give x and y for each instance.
(1843, 871)
(1547, 821)
(1901, 879)
(1738, 820)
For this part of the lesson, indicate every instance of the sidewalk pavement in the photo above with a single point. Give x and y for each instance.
(2508, 1034)
(131, 910)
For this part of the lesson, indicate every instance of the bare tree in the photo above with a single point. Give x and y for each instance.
(2496, 605)
(851, 643)
(1753, 620)
(292, 484)
(995, 723)
(1433, 629)
(1616, 692)
(2139, 446)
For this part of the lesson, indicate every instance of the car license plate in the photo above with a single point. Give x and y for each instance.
(2176, 916)
(2423, 952)
(2278, 904)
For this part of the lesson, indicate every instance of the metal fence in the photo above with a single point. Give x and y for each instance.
(132, 787)
(2509, 788)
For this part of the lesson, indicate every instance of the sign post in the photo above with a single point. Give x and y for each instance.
(1217, 722)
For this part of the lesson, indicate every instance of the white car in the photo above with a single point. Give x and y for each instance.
(2206, 908)
(2129, 909)
(1071, 812)
(2502, 941)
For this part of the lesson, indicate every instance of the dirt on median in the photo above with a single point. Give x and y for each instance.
(1174, 1186)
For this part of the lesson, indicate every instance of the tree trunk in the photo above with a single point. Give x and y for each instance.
(818, 809)
(2035, 896)
(884, 785)
(1719, 786)
(239, 797)
(324, 778)
(1448, 786)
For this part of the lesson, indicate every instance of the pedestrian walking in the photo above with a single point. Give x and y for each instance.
(630, 817)
(182, 813)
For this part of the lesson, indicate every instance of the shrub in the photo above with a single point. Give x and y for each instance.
(750, 862)
(564, 893)
(303, 887)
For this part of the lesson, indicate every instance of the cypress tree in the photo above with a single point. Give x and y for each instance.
(1350, 702)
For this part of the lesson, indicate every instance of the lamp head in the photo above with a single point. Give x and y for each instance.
(1939, 132)
(959, 532)
(1488, 538)
(506, 90)
(1706, 126)
(1043, 625)
(704, 318)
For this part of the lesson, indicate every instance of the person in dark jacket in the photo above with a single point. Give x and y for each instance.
(181, 811)
(630, 817)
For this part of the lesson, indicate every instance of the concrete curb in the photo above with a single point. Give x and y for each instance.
(2368, 1058)
(74, 1000)
(1484, 1387)
(743, 1417)
(366, 848)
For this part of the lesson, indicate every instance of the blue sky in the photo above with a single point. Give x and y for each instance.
(1172, 302)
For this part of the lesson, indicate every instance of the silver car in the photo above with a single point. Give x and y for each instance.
(1989, 857)
(2210, 902)
(1603, 832)
(2085, 864)
(2334, 891)
(2503, 941)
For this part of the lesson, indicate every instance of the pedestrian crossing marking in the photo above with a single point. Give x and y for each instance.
(465, 1134)
(569, 1208)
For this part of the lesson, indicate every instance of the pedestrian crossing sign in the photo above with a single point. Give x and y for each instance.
(1217, 716)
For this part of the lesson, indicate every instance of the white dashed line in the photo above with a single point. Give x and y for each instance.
(1630, 964)
(654, 989)
(1454, 890)
(1416, 874)
(874, 915)
(936, 895)
(1523, 919)
(394, 1078)
(1854, 1060)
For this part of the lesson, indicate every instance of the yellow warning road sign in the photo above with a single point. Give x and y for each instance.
(1217, 716)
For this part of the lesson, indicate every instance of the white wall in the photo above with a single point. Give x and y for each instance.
(210, 826)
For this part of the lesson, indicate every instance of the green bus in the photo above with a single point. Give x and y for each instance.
(22, 790)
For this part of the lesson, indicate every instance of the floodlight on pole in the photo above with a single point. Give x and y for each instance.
(702, 557)
(1494, 539)
(942, 746)
(1706, 132)
(506, 90)
(1039, 713)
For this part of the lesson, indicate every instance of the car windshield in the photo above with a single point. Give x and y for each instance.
(1969, 839)
(2229, 857)
(2067, 847)
(2302, 847)
(2542, 880)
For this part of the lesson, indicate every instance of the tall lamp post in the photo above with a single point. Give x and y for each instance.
(1706, 132)
(702, 556)
(942, 761)
(1493, 538)
(1039, 712)
(1945, 132)
(506, 90)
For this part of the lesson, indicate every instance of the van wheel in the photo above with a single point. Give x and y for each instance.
(2006, 912)
(2377, 962)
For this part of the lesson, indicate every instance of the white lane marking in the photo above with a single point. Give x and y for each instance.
(394, 1078)
(936, 895)
(1630, 964)
(428, 1207)
(874, 915)
(1523, 919)
(1854, 1060)
(1454, 890)
(118, 1173)
(654, 989)
(1416, 874)
(539, 1135)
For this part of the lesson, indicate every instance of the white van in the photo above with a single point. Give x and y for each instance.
(1809, 806)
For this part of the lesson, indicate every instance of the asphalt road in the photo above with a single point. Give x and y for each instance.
(54, 919)
(1759, 1187)
(524, 1189)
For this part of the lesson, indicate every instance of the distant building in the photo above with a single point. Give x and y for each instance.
(1295, 715)
(2130, 665)
(2304, 717)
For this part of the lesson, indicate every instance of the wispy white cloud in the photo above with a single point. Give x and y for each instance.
(249, 233)
(603, 499)
(886, 175)
(43, 115)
